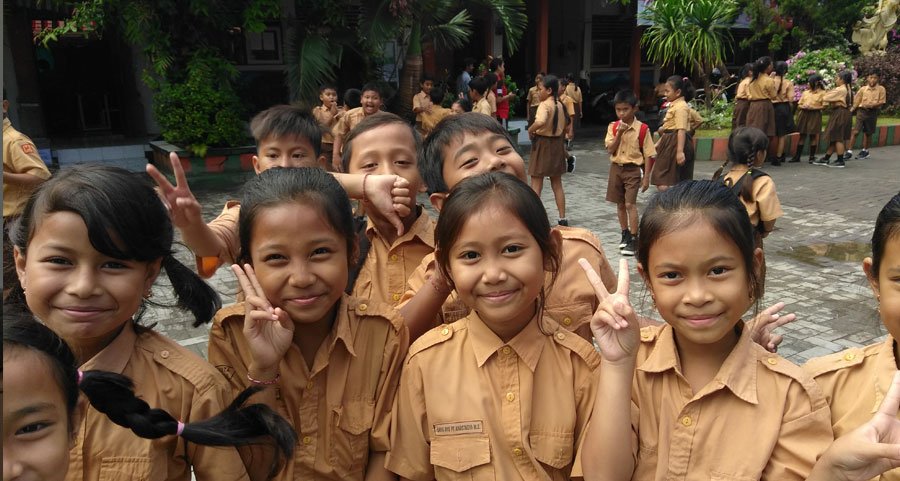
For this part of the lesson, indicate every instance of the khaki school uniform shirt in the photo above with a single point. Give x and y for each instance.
(678, 116)
(533, 97)
(383, 276)
(341, 407)
(811, 100)
(763, 88)
(473, 407)
(695, 120)
(571, 300)
(20, 156)
(482, 107)
(545, 113)
(870, 97)
(761, 417)
(326, 119)
(629, 151)
(765, 205)
(492, 101)
(420, 101)
(350, 119)
(574, 92)
(855, 382)
(742, 92)
(836, 97)
(431, 119)
(569, 104)
(166, 376)
(785, 93)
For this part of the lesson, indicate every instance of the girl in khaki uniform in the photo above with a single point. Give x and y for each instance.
(330, 362)
(809, 120)
(761, 93)
(784, 117)
(505, 392)
(534, 97)
(548, 151)
(88, 249)
(675, 147)
(839, 99)
(741, 97)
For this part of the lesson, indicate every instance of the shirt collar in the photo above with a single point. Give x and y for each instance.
(343, 329)
(738, 372)
(885, 367)
(6, 123)
(423, 228)
(527, 344)
(116, 354)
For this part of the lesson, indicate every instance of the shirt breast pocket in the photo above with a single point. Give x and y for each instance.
(462, 457)
(553, 449)
(121, 468)
(350, 439)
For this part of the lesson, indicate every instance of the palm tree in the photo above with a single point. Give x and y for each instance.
(693, 32)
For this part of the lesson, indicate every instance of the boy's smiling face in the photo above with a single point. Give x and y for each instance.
(427, 86)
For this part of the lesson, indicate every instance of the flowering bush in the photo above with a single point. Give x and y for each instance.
(827, 62)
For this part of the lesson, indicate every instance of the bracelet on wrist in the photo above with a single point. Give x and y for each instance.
(264, 383)
(365, 195)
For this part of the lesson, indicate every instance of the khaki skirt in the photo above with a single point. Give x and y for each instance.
(666, 170)
(761, 114)
(784, 119)
(839, 125)
(809, 122)
(739, 115)
(548, 157)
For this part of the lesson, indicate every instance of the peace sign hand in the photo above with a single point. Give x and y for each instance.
(183, 207)
(268, 330)
(614, 325)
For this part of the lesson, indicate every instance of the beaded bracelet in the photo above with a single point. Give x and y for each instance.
(264, 383)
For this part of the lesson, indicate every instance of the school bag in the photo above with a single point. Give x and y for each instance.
(642, 134)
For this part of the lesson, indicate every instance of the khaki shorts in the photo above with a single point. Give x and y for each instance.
(624, 183)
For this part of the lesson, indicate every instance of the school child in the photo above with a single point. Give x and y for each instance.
(548, 150)
(385, 144)
(629, 151)
(533, 98)
(574, 92)
(869, 99)
(761, 92)
(286, 136)
(671, 398)
(837, 131)
(327, 114)
(784, 117)
(352, 99)
(331, 362)
(569, 105)
(491, 97)
(742, 97)
(463, 146)
(42, 412)
(478, 88)
(422, 100)
(675, 148)
(856, 381)
(809, 120)
(370, 104)
(503, 95)
(436, 114)
(88, 249)
(505, 392)
(461, 106)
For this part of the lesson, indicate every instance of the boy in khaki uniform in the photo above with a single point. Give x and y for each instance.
(422, 101)
(868, 100)
(434, 115)
(478, 88)
(327, 114)
(629, 151)
(370, 104)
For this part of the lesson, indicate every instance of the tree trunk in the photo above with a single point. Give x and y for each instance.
(411, 73)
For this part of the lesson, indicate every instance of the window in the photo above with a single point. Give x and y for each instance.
(264, 47)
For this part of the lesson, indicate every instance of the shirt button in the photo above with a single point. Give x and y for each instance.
(772, 361)
(560, 336)
(567, 321)
(309, 385)
(686, 421)
(646, 336)
(164, 354)
(506, 350)
(445, 331)
(510, 397)
(394, 257)
(517, 451)
(363, 307)
(849, 356)
(395, 297)
(307, 440)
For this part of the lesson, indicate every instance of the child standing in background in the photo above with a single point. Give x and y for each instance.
(422, 100)
(327, 114)
(784, 117)
(869, 99)
(675, 148)
(809, 120)
(569, 104)
(762, 92)
(370, 104)
(574, 92)
(839, 99)
(742, 97)
(548, 151)
(534, 98)
(437, 113)
(478, 89)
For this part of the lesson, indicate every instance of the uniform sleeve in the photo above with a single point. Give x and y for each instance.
(417, 101)
(410, 454)
(392, 364)
(742, 90)
(881, 97)
(225, 229)
(25, 159)
(836, 94)
(649, 147)
(570, 106)
(492, 102)
(805, 434)
(542, 114)
(610, 137)
(214, 463)
(342, 126)
(768, 205)
(682, 118)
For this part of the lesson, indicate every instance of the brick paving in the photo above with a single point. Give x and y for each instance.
(813, 257)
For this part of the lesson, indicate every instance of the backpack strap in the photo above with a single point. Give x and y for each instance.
(642, 135)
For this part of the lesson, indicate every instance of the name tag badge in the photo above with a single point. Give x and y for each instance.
(462, 427)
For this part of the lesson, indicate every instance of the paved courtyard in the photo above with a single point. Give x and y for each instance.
(813, 257)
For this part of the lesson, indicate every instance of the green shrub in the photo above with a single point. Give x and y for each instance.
(717, 116)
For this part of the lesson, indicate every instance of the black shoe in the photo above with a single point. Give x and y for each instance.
(837, 164)
(848, 154)
(563, 222)
(570, 164)
(626, 234)
(812, 158)
(824, 160)
(630, 248)
(794, 159)
(775, 162)
(863, 154)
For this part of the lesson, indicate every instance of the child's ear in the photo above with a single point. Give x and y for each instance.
(255, 160)
(870, 276)
(19, 261)
(759, 258)
(323, 162)
(556, 244)
(437, 200)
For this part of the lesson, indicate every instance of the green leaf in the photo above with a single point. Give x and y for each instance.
(513, 15)
(452, 34)
(312, 60)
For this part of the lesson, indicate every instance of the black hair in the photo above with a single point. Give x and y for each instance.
(374, 121)
(760, 66)
(468, 61)
(816, 82)
(684, 85)
(426, 78)
(307, 185)
(563, 82)
(743, 145)
(465, 104)
(371, 87)
(847, 77)
(436, 94)
(625, 97)
(287, 121)
(552, 82)
(327, 86)
(570, 77)
(497, 62)
(125, 220)
(887, 227)
(451, 128)
(113, 395)
(780, 68)
(480, 85)
(682, 204)
(474, 194)
(746, 70)
(352, 98)
(491, 79)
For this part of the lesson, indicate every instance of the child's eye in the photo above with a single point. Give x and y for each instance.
(504, 150)
(58, 260)
(273, 257)
(469, 255)
(32, 428)
(321, 251)
(669, 275)
(115, 265)
(298, 155)
(719, 270)
(470, 162)
(512, 249)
